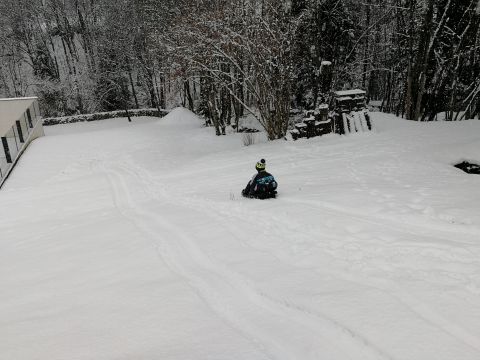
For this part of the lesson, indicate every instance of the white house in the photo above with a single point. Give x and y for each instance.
(19, 125)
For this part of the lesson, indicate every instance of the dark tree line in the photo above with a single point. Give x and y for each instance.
(227, 58)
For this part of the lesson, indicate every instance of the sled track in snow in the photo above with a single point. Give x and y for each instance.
(229, 295)
(421, 309)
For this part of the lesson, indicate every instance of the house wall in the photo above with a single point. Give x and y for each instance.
(11, 111)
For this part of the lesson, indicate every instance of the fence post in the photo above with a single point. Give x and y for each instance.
(6, 150)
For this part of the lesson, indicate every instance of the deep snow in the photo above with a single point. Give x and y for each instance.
(130, 241)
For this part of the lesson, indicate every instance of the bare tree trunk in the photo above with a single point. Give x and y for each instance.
(213, 110)
(366, 48)
(162, 91)
(425, 50)
(126, 111)
(410, 72)
(236, 108)
(188, 94)
(134, 93)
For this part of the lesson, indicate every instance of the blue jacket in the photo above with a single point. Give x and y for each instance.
(261, 184)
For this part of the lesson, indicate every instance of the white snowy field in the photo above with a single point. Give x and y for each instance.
(130, 241)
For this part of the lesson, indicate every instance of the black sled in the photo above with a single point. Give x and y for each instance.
(260, 196)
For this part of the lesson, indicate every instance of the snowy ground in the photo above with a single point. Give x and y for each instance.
(129, 241)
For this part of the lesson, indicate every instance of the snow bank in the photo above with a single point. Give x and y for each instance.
(102, 116)
(181, 116)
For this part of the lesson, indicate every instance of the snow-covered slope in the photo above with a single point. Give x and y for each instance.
(130, 241)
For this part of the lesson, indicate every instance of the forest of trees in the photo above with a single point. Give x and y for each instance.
(226, 58)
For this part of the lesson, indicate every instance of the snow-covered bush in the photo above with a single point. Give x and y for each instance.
(103, 116)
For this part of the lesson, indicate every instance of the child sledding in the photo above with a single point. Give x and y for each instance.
(262, 185)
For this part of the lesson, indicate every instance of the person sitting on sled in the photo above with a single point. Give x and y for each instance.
(262, 185)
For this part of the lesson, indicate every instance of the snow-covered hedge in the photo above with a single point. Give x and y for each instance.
(103, 116)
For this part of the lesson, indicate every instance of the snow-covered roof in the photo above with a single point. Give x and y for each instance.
(350, 92)
(11, 110)
(323, 122)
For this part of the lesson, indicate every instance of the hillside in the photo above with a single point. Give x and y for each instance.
(130, 241)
